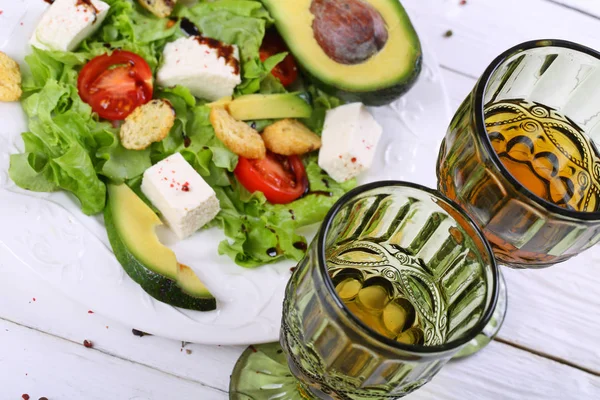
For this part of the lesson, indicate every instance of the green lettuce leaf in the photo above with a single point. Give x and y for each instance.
(321, 103)
(260, 232)
(68, 148)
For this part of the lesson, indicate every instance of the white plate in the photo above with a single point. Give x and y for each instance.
(49, 234)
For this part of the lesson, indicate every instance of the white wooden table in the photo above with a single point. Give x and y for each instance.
(549, 347)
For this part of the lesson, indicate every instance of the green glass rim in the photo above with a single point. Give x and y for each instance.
(478, 105)
(414, 349)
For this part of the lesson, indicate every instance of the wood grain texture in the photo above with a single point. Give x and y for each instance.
(485, 376)
(503, 372)
(556, 311)
(482, 29)
(41, 365)
(589, 7)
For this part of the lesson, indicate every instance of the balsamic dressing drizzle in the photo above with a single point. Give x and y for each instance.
(189, 27)
(226, 51)
(272, 252)
(300, 246)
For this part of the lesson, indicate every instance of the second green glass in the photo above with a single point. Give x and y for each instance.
(397, 281)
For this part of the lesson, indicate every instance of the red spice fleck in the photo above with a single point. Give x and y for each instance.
(292, 269)
(172, 185)
(21, 24)
(340, 156)
(253, 348)
(88, 344)
(353, 159)
(172, 172)
(25, 396)
(34, 299)
(205, 66)
(1, 12)
(185, 187)
(166, 179)
(90, 312)
(463, 2)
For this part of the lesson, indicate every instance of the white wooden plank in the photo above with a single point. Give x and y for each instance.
(58, 315)
(503, 372)
(458, 86)
(482, 29)
(482, 376)
(556, 311)
(591, 7)
(41, 365)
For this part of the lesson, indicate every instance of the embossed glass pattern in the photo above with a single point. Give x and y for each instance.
(425, 252)
(549, 92)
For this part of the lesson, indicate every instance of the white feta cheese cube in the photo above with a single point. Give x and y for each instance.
(67, 23)
(184, 199)
(208, 68)
(349, 139)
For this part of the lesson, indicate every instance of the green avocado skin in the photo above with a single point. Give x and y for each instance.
(375, 98)
(377, 94)
(156, 285)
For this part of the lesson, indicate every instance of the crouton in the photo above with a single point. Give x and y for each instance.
(160, 8)
(10, 79)
(289, 137)
(147, 124)
(236, 135)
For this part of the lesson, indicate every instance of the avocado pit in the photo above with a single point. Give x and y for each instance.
(348, 31)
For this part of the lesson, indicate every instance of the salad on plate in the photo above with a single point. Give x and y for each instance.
(249, 116)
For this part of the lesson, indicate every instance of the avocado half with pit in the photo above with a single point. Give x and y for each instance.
(358, 50)
(130, 225)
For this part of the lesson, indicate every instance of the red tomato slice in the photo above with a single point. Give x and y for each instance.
(282, 179)
(116, 84)
(287, 70)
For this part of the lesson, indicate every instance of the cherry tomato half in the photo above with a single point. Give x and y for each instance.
(114, 85)
(287, 70)
(282, 179)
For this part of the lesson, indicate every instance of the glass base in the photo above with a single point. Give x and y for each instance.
(492, 328)
(262, 373)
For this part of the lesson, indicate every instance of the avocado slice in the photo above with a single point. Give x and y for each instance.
(266, 106)
(130, 225)
(358, 50)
